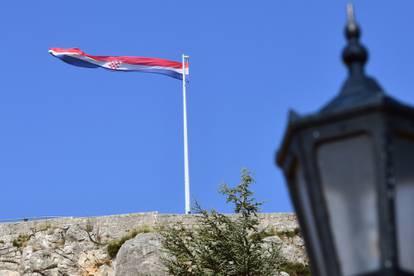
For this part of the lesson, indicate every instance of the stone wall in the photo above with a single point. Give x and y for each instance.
(78, 246)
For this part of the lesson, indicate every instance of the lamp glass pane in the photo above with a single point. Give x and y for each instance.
(404, 203)
(309, 220)
(348, 178)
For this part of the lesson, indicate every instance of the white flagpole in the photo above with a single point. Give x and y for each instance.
(186, 169)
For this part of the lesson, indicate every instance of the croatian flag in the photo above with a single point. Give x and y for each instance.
(77, 57)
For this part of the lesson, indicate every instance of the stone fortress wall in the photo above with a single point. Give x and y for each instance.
(79, 246)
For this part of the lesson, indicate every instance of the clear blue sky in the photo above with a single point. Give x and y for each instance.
(83, 142)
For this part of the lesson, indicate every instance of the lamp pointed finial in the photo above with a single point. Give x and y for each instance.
(354, 55)
(350, 13)
(358, 88)
(352, 28)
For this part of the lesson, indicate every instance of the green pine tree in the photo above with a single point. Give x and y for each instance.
(223, 245)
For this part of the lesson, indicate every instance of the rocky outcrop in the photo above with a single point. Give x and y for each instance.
(141, 256)
(82, 246)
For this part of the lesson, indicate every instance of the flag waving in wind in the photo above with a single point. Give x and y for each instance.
(77, 57)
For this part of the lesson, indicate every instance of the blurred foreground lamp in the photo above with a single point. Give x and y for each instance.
(350, 172)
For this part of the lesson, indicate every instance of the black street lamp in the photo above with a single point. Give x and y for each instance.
(350, 172)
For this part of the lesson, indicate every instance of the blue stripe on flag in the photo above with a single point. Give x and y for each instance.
(77, 62)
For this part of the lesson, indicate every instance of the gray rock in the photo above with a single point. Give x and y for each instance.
(141, 256)
(105, 270)
(9, 273)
